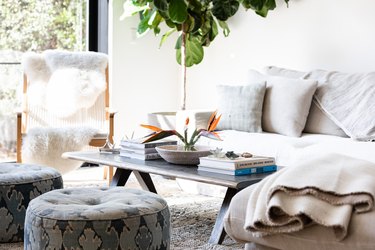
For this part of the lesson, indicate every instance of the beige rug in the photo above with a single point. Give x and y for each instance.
(193, 215)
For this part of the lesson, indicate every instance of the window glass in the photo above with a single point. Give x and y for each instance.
(32, 25)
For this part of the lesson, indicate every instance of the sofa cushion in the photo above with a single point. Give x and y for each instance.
(241, 106)
(286, 149)
(317, 121)
(286, 103)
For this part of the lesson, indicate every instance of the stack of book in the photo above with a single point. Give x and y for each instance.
(237, 166)
(142, 151)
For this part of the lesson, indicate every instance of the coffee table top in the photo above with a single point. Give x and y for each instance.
(161, 167)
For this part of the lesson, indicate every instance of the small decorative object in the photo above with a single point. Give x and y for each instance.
(108, 147)
(246, 155)
(189, 144)
(217, 153)
(231, 155)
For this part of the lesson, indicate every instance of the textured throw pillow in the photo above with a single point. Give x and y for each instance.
(348, 99)
(318, 121)
(241, 106)
(286, 103)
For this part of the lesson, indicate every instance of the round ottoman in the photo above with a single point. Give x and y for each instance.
(98, 218)
(19, 183)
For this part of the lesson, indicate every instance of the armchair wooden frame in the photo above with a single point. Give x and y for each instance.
(95, 142)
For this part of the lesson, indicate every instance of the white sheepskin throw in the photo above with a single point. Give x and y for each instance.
(70, 89)
(58, 59)
(45, 146)
(73, 79)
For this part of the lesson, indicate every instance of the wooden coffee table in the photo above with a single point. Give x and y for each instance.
(143, 169)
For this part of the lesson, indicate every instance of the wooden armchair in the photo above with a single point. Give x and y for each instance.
(39, 70)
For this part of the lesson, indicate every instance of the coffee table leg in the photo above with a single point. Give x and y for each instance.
(218, 233)
(145, 181)
(121, 177)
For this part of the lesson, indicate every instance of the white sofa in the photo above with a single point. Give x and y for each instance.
(317, 131)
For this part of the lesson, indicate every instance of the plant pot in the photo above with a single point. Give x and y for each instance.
(176, 154)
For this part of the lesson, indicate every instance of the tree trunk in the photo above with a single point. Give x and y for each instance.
(183, 71)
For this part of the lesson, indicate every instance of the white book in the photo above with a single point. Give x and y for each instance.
(237, 163)
(138, 143)
(137, 150)
(145, 157)
(238, 172)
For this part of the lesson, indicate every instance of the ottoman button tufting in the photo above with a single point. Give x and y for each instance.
(20, 183)
(98, 218)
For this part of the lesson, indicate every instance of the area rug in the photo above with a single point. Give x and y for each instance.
(193, 216)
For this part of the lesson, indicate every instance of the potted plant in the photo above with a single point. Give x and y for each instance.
(196, 21)
(188, 153)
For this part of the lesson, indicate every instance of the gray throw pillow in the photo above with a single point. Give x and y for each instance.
(286, 103)
(241, 106)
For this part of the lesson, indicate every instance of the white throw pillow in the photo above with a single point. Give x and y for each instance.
(318, 121)
(241, 106)
(286, 103)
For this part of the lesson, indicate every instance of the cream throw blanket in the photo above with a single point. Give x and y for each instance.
(320, 190)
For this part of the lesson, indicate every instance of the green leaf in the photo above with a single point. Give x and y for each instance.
(261, 7)
(197, 21)
(225, 28)
(131, 9)
(194, 52)
(143, 26)
(161, 5)
(213, 32)
(165, 36)
(178, 11)
(223, 9)
(178, 42)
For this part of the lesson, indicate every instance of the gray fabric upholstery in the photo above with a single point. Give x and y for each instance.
(241, 106)
(98, 218)
(20, 183)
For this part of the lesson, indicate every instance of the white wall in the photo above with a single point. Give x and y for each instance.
(334, 34)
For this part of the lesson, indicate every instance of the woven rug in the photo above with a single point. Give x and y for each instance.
(193, 216)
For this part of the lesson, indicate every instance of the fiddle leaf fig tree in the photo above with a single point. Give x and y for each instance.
(196, 21)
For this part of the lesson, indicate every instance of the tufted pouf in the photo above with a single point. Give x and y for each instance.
(98, 218)
(20, 183)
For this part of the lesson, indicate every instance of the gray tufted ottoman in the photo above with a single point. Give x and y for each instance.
(98, 218)
(19, 183)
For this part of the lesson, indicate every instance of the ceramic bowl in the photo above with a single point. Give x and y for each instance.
(177, 155)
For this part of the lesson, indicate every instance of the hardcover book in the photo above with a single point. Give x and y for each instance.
(237, 163)
(137, 144)
(238, 172)
(137, 150)
(145, 157)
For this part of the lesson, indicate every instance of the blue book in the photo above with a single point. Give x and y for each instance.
(238, 172)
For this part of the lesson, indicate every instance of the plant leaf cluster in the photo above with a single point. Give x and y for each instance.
(189, 143)
(197, 19)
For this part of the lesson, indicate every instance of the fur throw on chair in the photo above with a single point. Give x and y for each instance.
(64, 82)
(45, 146)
